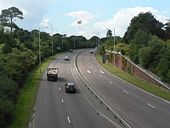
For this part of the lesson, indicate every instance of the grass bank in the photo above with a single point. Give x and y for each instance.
(27, 98)
(147, 86)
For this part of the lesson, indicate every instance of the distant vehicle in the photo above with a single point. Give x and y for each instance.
(66, 58)
(70, 88)
(52, 74)
(91, 51)
(71, 50)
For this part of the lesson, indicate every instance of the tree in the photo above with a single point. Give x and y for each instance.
(139, 41)
(147, 23)
(164, 63)
(167, 29)
(109, 33)
(7, 16)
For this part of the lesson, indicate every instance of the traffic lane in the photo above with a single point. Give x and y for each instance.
(161, 104)
(114, 90)
(49, 110)
(80, 112)
(139, 114)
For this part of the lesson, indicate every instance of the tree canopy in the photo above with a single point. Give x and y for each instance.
(109, 33)
(147, 23)
(7, 16)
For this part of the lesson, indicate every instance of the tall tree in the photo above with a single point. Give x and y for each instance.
(147, 23)
(109, 33)
(7, 17)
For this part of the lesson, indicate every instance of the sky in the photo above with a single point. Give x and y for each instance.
(95, 16)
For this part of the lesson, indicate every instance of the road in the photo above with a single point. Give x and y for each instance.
(137, 107)
(56, 109)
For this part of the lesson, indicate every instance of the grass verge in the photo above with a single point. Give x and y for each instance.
(147, 86)
(25, 104)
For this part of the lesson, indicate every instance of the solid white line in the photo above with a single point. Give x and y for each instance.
(151, 105)
(125, 91)
(62, 101)
(166, 101)
(110, 82)
(101, 71)
(68, 119)
(59, 89)
(88, 71)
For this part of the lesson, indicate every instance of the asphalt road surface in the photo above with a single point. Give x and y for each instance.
(137, 107)
(56, 109)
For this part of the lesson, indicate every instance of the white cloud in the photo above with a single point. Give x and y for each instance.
(82, 15)
(121, 20)
(45, 23)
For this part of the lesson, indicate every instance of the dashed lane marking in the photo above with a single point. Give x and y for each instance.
(101, 71)
(125, 91)
(151, 105)
(88, 71)
(110, 82)
(62, 101)
(68, 119)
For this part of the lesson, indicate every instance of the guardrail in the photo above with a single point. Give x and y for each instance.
(108, 107)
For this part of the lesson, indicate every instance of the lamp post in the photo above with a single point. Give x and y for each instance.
(114, 47)
(52, 44)
(39, 38)
(74, 42)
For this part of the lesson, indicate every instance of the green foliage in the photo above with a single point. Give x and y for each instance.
(8, 93)
(109, 44)
(123, 48)
(140, 40)
(147, 23)
(109, 33)
(94, 41)
(164, 63)
(7, 16)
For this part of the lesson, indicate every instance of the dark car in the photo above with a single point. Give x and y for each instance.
(71, 50)
(70, 88)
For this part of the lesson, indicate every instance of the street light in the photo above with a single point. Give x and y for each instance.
(114, 48)
(39, 44)
(39, 50)
(63, 35)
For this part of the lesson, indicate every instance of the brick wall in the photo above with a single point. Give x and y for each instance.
(128, 66)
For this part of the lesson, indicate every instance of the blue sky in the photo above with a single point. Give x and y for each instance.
(96, 15)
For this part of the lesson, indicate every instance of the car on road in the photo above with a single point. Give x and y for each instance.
(91, 51)
(70, 88)
(71, 50)
(66, 58)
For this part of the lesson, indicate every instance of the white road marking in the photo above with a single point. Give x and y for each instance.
(166, 101)
(110, 82)
(68, 119)
(101, 71)
(62, 101)
(88, 71)
(151, 105)
(59, 89)
(125, 91)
